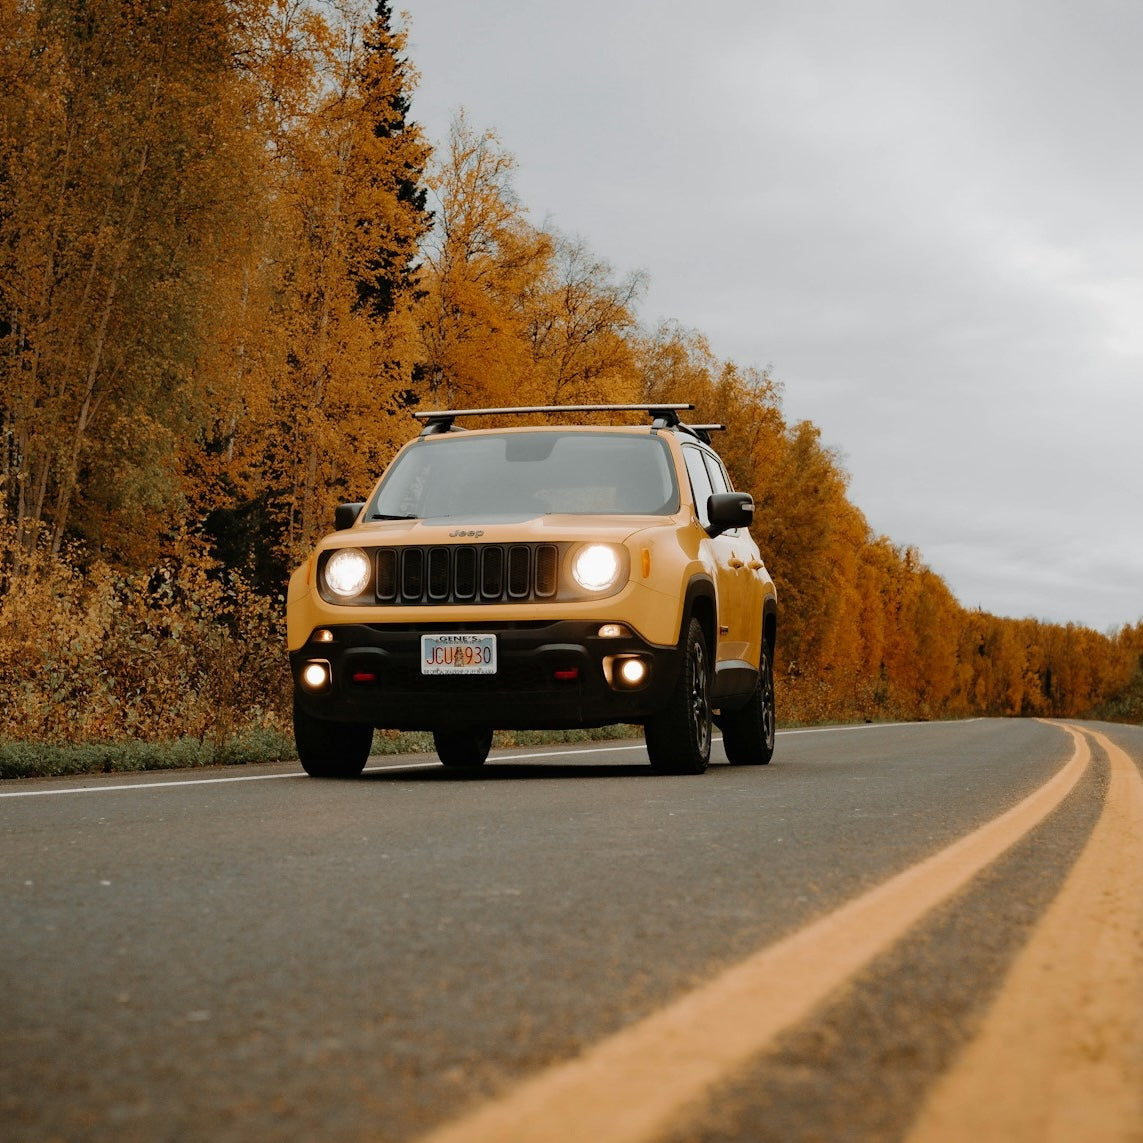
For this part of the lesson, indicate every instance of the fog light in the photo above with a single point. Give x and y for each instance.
(316, 676)
(633, 672)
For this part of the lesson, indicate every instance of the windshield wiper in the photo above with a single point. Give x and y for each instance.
(386, 516)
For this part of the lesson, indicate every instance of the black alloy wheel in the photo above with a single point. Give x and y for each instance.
(679, 736)
(463, 749)
(331, 749)
(748, 734)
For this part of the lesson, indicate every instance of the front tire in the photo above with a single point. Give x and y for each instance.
(748, 733)
(462, 749)
(331, 749)
(678, 737)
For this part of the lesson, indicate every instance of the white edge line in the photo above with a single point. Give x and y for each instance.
(415, 766)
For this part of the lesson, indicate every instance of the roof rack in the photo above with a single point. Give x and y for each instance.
(702, 431)
(441, 421)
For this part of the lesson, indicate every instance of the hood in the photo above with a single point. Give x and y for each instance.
(494, 530)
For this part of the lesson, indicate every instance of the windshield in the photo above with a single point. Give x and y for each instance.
(529, 474)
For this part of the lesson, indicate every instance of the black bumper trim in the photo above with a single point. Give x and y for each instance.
(533, 689)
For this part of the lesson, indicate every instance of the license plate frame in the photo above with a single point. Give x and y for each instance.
(457, 653)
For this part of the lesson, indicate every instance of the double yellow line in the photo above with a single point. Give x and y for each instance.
(1069, 1021)
(1060, 1055)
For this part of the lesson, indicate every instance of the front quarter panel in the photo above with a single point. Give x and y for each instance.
(301, 617)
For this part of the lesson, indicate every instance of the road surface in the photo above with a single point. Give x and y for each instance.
(892, 932)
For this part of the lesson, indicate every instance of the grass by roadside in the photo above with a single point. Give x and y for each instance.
(262, 744)
(45, 760)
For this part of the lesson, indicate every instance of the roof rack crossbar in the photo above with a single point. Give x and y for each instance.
(441, 420)
(701, 431)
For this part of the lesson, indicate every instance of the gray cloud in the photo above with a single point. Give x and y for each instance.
(924, 217)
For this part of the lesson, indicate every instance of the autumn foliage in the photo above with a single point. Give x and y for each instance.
(230, 264)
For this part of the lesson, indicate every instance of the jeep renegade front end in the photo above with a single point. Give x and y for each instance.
(538, 578)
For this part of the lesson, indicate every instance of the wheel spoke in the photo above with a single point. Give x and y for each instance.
(679, 736)
(768, 719)
(700, 703)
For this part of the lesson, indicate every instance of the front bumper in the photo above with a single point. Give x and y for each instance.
(550, 675)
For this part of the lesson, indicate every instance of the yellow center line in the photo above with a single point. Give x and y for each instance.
(1060, 1054)
(633, 1086)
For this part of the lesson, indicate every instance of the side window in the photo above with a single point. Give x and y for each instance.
(700, 481)
(720, 482)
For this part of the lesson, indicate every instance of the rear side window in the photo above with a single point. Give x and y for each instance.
(718, 478)
(700, 481)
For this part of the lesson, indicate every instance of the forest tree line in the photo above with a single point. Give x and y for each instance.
(231, 264)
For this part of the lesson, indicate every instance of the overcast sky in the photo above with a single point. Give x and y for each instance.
(926, 218)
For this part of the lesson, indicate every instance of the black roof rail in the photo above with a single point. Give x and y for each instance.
(441, 421)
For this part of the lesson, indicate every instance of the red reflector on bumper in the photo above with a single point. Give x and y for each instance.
(566, 674)
(364, 676)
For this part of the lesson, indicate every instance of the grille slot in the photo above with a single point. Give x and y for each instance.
(467, 573)
(547, 570)
(519, 572)
(412, 574)
(387, 575)
(492, 573)
(464, 578)
(439, 561)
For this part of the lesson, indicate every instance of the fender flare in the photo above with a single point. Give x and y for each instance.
(701, 600)
(770, 622)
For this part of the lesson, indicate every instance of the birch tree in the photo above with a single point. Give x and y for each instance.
(119, 163)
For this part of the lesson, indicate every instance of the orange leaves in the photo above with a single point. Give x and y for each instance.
(865, 629)
(117, 217)
(513, 314)
(182, 649)
(219, 293)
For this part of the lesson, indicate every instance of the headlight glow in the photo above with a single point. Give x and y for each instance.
(596, 567)
(347, 572)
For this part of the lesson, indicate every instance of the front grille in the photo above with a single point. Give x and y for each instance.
(467, 573)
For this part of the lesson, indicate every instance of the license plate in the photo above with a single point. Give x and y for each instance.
(458, 654)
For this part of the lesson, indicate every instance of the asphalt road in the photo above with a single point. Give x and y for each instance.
(250, 954)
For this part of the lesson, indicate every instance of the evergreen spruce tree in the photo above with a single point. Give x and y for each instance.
(394, 165)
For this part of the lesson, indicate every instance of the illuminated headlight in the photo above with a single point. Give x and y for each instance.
(597, 567)
(347, 572)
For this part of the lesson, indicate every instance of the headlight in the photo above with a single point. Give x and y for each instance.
(347, 572)
(596, 567)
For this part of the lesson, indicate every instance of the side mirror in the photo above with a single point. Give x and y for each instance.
(729, 510)
(345, 515)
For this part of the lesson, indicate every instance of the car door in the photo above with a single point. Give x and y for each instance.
(745, 561)
(730, 555)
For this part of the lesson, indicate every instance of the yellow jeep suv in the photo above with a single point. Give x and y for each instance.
(538, 578)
